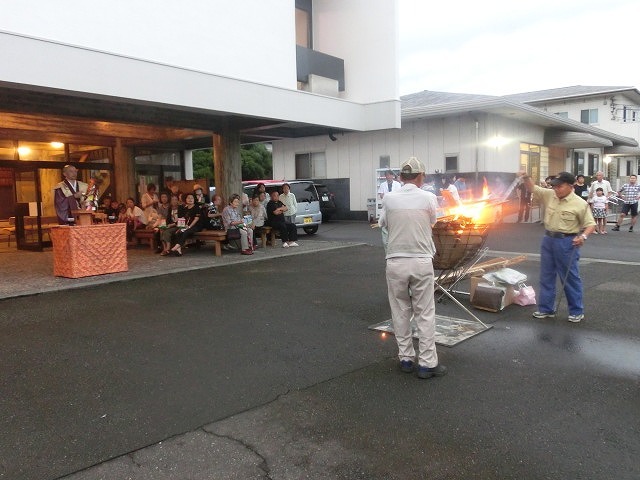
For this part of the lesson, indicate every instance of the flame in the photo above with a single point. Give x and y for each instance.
(476, 211)
(485, 188)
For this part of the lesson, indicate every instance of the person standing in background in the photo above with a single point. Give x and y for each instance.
(600, 182)
(289, 201)
(580, 188)
(629, 193)
(389, 185)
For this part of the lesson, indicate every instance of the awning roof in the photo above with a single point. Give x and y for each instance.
(568, 139)
(622, 150)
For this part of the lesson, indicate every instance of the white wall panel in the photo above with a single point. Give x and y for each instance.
(254, 40)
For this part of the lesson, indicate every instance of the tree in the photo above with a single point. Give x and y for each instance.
(257, 162)
(203, 164)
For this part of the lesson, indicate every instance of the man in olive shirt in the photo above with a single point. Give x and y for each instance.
(568, 222)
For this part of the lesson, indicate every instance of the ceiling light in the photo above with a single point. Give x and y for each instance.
(56, 145)
(24, 150)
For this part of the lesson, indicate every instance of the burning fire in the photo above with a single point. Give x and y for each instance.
(475, 211)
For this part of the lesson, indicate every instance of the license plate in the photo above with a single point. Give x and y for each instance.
(308, 219)
(325, 198)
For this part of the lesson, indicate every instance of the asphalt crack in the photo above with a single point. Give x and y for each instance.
(264, 464)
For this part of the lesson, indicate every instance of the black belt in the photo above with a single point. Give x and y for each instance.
(558, 234)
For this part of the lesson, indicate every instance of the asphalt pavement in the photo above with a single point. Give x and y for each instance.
(265, 369)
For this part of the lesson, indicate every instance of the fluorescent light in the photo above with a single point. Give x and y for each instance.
(56, 145)
(24, 150)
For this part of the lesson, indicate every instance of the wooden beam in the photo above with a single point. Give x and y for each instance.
(55, 124)
(35, 136)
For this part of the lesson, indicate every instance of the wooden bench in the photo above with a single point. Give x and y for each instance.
(146, 236)
(219, 237)
(272, 236)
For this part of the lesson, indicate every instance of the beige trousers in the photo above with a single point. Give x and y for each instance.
(410, 282)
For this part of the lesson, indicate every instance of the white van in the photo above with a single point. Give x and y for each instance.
(308, 216)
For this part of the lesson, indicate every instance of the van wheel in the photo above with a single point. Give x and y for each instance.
(310, 230)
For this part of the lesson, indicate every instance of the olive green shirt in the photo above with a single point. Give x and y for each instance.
(570, 214)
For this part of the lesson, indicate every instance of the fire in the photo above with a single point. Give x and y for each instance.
(485, 188)
(475, 210)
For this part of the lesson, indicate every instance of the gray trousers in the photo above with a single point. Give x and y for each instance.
(406, 274)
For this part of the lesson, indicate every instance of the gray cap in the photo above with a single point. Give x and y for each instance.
(412, 165)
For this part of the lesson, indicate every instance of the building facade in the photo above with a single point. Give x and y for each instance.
(475, 136)
(124, 90)
(614, 109)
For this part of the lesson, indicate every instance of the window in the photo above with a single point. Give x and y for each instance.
(563, 114)
(589, 116)
(311, 165)
(385, 161)
(593, 161)
(451, 163)
(578, 163)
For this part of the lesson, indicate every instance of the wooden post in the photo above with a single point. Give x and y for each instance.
(123, 172)
(227, 163)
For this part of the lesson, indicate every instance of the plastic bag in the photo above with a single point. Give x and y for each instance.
(505, 275)
(525, 296)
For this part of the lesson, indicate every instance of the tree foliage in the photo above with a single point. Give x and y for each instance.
(203, 164)
(257, 163)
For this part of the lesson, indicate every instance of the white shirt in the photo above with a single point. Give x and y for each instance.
(408, 215)
(289, 200)
(383, 189)
(604, 185)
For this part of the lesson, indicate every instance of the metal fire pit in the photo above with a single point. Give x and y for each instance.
(460, 244)
(457, 243)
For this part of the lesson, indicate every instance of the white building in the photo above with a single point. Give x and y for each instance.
(475, 136)
(614, 109)
(128, 87)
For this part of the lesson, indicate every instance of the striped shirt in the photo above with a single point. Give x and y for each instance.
(630, 193)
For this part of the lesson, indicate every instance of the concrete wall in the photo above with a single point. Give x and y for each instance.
(365, 34)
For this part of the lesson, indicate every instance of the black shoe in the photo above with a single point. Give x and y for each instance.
(616, 228)
(437, 371)
(631, 229)
(406, 366)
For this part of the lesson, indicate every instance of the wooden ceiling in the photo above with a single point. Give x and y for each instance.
(34, 114)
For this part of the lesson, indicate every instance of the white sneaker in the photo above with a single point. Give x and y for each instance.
(575, 318)
(293, 244)
(285, 245)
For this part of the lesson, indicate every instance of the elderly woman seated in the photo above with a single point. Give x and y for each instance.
(233, 220)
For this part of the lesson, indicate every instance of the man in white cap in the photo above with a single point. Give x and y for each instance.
(408, 214)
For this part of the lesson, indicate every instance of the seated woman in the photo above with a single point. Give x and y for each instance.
(171, 226)
(211, 216)
(135, 218)
(259, 215)
(233, 220)
(149, 200)
(190, 212)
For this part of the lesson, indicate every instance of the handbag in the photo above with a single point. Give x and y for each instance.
(233, 234)
(525, 296)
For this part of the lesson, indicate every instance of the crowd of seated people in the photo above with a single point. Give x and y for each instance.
(176, 217)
